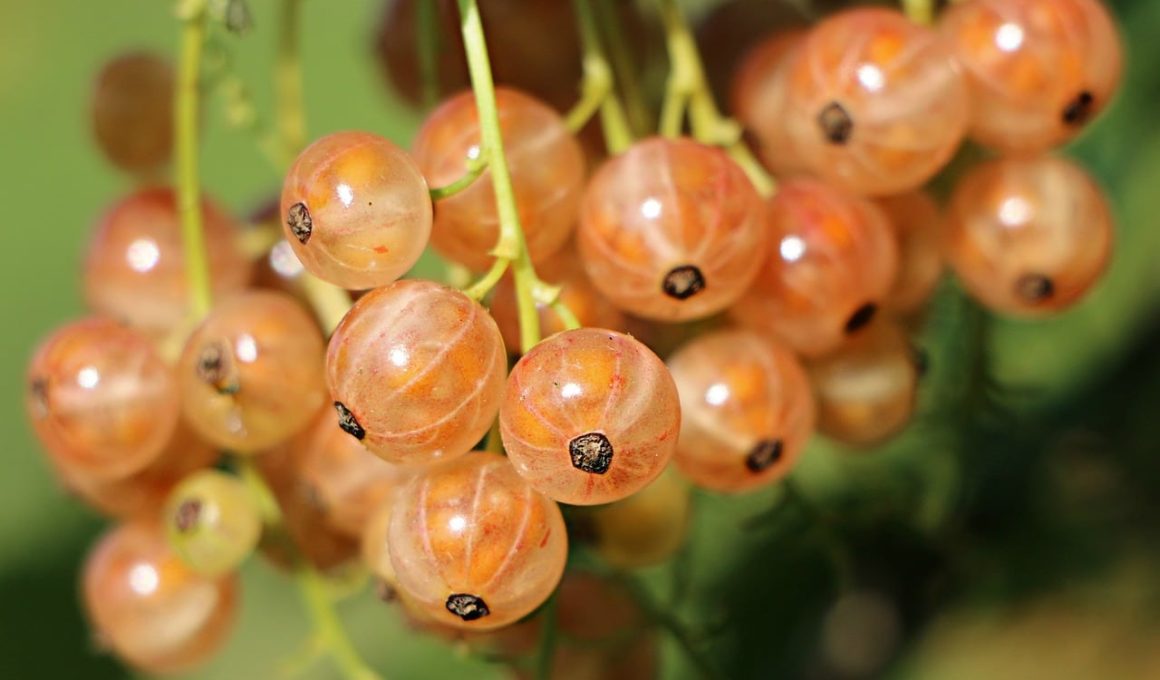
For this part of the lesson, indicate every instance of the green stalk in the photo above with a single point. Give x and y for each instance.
(186, 160)
(599, 82)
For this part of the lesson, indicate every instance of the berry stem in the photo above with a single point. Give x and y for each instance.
(511, 246)
(474, 168)
(478, 290)
(547, 649)
(919, 11)
(186, 109)
(624, 68)
(599, 84)
(427, 45)
(329, 628)
(687, 85)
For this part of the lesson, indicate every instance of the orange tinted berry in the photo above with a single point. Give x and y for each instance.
(416, 370)
(747, 410)
(671, 230)
(590, 416)
(135, 266)
(356, 210)
(547, 171)
(132, 109)
(917, 225)
(875, 103)
(474, 545)
(101, 400)
(154, 612)
(866, 390)
(1038, 70)
(251, 374)
(830, 263)
(1028, 237)
(759, 101)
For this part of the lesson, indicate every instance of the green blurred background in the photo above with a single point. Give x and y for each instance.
(1025, 493)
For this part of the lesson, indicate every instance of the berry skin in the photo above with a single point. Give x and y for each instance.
(759, 97)
(416, 371)
(101, 400)
(830, 263)
(1038, 70)
(917, 224)
(747, 410)
(590, 416)
(153, 611)
(1028, 237)
(547, 171)
(648, 527)
(212, 523)
(132, 112)
(874, 102)
(866, 390)
(576, 292)
(473, 545)
(356, 210)
(135, 266)
(671, 230)
(251, 374)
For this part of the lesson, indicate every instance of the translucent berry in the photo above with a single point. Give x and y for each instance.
(350, 482)
(759, 99)
(416, 370)
(590, 416)
(671, 230)
(866, 390)
(152, 610)
(132, 110)
(356, 210)
(563, 269)
(917, 224)
(251, 374)
(547, 169)
(474, 545)
(1038, 70)
(875, 103)
(144, 492)
(1028, 237)
(212, 522)
(375, 550)
(829, 266)
(746, 410)
(135, 266)
(102, 402)
(646, 528)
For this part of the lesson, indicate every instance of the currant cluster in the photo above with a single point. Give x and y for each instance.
(698, 326)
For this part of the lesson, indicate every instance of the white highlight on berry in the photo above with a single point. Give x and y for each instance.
(1014, 212)
(650, 209)
(570, 390)
(792, 248)
(143, 255)
(399, 356)
(88, 377)
(345, 194)
(717, 394)
(871, 77)
(457, 523)
(1009, 37)
(143, 579)
(246, 348)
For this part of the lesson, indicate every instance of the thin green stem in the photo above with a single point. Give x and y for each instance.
(329, 628)
(511, 245)
(590, 100)
(479, 290)
(566, 316)
(919, 11)
(474, 168)
(599, 82)
(687, 84)
(186, 108)
(548, 633)
(288, 81)
(624, 68)
(427, 45)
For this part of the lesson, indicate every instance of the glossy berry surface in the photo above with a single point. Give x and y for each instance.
(829, 266)
(356, 210)
(474, 545)
(251, 374)
(153, 611)
(135, 265)
(917, 223)
(590, 416)
(671, 230)
(758, 99)
(132, 111)
(577, 293)
(747, 410)
(416, 371)
(648, 527)
(1038, 70)
(874, 102)
(212, 522)
(547, 171)
(866, 391)
(1028, 237)
(101, 400)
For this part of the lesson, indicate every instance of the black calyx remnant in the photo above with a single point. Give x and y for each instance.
(764, 454)
(683, 282)
(1079, 110)
(466, 606)
(1034, 288)
(300, 223)
(187, 515)
(861, 317)
(591, 453)
(836, 123)
(348, 423)
(214, 366)
(38, 390)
